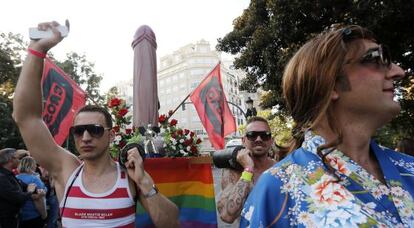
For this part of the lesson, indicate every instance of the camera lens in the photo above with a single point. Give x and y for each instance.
(227, 158)
(123, 154)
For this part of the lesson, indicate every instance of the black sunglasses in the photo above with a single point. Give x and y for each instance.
(95, 130)
(379, 56)
(264, 135)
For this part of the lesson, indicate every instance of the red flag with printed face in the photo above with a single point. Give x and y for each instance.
(212, 108)
(62, 97)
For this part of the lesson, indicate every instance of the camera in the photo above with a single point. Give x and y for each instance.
(227, 158)
(123, 154)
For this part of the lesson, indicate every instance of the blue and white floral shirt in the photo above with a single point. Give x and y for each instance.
(299, 191)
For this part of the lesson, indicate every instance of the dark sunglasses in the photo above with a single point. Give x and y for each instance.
(379, 56)
(264, 135)
(94, 130)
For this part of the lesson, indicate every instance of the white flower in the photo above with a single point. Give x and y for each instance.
(173, 147)
(181, 141)
(183, 152)
(370, 207)
(406, 212)
(173, 141)
(118, 138)
(398, 191)
(188, 148)
(304, 217)
(384, 189)
(398, 202)
(377, 193)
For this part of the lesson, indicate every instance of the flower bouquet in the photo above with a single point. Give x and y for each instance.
(178, 142)
(124, 132)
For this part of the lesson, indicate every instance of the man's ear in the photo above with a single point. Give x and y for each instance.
(111, 135)
(244, 140)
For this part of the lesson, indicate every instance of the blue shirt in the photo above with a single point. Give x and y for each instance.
(299, 191)
(29, 210)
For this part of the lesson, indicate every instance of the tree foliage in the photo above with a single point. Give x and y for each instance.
(12, 50)
(83, 73)
(269, 32)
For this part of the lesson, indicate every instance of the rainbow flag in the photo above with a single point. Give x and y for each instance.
(188, 182)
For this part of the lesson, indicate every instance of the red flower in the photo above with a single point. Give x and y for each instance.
(173, 122)
(198, 141)
(122, 144)
(116, 128)
(170, 113)
(186, 131)
(187, 142)
(192, 134)
(193, 149)
(114, 102)
(173, 135)
(179, 132)
(123, 112)
(128, 131)
(162, 118)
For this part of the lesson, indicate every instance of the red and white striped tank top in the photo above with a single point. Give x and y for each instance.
(114, 208)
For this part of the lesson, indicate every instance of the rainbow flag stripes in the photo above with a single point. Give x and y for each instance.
(188, 182)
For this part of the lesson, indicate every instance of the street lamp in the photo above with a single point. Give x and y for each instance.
(251, 111)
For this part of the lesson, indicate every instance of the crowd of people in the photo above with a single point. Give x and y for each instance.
(26, 195)
(339, 89)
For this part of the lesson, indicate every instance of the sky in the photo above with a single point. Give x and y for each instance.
(103, 30)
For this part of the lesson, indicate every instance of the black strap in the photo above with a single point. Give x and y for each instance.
(67, 192)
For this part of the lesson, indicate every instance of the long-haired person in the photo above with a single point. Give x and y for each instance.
(33, 211)
(339, 88)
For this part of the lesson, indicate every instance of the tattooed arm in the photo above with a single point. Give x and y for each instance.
(233, 195)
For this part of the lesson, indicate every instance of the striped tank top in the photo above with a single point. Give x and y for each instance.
(114, 208)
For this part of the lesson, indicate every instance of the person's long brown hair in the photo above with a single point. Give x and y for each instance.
(311, 76)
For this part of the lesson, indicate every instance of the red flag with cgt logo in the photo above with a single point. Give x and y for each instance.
(212, 108)
(62, 97)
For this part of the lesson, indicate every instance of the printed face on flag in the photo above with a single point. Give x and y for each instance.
(210, 102)
(212, 97)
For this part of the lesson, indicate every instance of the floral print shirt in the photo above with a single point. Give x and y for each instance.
(299, 191)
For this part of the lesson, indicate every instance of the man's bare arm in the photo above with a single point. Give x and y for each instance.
(233, 196)
(162, 211)
(27, 105)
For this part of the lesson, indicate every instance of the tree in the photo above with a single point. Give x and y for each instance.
(11, 47)
(83, 73)
(12, 50)
(269, 32)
